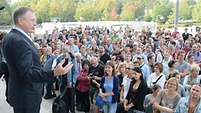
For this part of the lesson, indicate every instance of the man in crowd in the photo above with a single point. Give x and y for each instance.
(104, 57)
(69, 79)
(192, 103)
(182, 66)
(144, 67)
(96, 71)
(48, 61)
(25, 86)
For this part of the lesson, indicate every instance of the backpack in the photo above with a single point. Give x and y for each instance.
(58, 105)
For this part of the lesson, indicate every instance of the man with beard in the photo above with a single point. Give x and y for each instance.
(104, 57)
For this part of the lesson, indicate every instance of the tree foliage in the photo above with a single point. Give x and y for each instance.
(104, 10)
(164, 10)
(185, 10)
(196, 14)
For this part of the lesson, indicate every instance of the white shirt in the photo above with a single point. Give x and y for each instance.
(23, 32)
(126, 84)
(153, 78)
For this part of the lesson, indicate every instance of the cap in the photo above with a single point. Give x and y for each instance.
(135, 43)
(140, 56)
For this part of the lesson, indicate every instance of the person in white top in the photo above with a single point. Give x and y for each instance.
(125, 86)
(154, 77)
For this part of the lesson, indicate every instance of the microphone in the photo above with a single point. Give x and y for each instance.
(2, 7)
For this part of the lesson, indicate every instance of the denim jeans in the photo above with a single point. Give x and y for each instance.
(110, 107)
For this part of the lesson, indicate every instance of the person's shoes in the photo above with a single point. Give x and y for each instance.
(54, 95)
(48, 97)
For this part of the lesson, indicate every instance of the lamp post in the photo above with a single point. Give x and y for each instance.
(176, 13)
(161, 17)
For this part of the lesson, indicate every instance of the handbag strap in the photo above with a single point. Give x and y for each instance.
(63, 92)
(157, 80)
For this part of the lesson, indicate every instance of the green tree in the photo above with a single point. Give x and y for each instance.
(54, 9)
(164, 9)
(148, 18)
(105, 7)
(87, 12)
(171, 18)
(128, 11)
(133, 10)
(185, 10)
(196, 14)
(42, 10)
(68, 9)
(6, 14)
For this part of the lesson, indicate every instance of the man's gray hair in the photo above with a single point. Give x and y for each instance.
(20, 12)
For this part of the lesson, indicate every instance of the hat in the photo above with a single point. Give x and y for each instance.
(135, 43)
(140, 56)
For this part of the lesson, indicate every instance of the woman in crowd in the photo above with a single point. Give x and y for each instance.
(122, 72)
(157, 77)
(118, 60)
(181, 89)
(137, 92)
(172, 64)
(82, 92)
(191, 59)
(151, 98)
(191, 79)
(167, 99)
(109, 88)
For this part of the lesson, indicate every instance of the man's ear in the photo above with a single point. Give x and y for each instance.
(20, 20)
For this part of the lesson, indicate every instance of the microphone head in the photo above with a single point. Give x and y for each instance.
(2, 7)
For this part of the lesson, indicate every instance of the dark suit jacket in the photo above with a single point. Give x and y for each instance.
(25, 86)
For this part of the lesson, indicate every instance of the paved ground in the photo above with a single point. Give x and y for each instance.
(46, 105)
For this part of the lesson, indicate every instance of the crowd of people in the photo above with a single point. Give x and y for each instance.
(154, 71)
(131, 71)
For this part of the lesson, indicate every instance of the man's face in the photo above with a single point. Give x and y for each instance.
(78, 58)
(194, 48)
(140, 60)
(28, 23)
(94, 62)
(48, 51)
(139, 51)
(195, 92)
(181, 56)
(101, 49)
(129, 69)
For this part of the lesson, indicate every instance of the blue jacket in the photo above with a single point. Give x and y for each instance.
(182, 106)
(115, 88)
(48, 62)
(74, 70)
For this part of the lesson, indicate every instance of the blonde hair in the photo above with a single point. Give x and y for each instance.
(121, 65)
(194, 67)
(173, 79)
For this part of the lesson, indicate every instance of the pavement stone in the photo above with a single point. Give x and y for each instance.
(46, 106)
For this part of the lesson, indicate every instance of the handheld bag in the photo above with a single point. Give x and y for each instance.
(99, 101)
(58, 105)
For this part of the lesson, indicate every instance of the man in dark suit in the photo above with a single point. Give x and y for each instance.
(26, 76)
